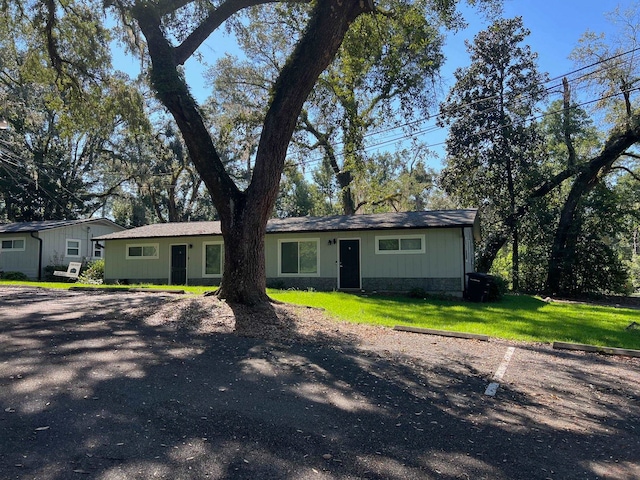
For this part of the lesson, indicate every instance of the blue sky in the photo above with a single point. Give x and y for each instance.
(555, 25)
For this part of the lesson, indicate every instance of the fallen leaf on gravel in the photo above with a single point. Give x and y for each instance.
(327, 456)
(39, 429)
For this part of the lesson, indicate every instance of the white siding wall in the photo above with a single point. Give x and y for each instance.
(442, 259)
(55, 242)
(54, 247)
(25, 261)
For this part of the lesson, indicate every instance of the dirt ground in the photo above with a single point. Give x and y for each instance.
(142, 385)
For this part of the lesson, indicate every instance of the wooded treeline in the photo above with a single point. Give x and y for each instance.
(552, 164)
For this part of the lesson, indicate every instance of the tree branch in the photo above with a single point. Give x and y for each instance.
(172, 90)
(635, 176)
(323, 141)
(329, 22)
(566, 122)
(216, 18)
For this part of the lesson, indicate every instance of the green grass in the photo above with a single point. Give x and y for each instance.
(66, 285)
(516, 317)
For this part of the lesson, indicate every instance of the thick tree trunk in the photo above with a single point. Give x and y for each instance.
(244, 276)
(491, 248)
(244, 215)
(562, 256)
(515, 260)
(346, 195)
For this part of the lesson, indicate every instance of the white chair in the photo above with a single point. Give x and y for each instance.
(73, 270)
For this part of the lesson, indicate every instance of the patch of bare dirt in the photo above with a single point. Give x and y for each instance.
(275, 322)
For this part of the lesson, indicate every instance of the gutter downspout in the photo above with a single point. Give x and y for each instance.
(39, 255)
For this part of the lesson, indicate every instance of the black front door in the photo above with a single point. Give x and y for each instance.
(178, 264)
(349, 263)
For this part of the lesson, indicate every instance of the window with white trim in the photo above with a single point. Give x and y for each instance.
(142, 251)
(299, 257)
(400, 244)
(97, 249)
(212, 253)
(73, 248)
(12, 245)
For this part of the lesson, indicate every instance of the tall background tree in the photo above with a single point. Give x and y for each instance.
(53, 151)
(493, 148)
(592, 214)
(572, 210)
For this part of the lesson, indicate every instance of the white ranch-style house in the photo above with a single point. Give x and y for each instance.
(389, 252)
(29, 247)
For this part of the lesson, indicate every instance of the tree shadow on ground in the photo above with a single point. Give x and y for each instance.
(89, 389)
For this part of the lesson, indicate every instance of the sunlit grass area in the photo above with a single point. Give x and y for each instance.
(516, 317)
(196, 290)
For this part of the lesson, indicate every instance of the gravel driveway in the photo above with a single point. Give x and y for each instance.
(141, 385)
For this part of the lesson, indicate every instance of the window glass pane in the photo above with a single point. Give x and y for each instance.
(18, 244)
(213, 259)
(135, 251)
(148, 251)
(7, 244)
(308, 257)
(289, 257)
(97, 253)
(73, 247)
(388, 244)
(411, 244)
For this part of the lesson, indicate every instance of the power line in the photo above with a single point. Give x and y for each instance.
(412, 135)
(13, 169)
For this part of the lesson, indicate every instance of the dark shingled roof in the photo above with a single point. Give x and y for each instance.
(377, 221)
(37, 226)
(172, 229)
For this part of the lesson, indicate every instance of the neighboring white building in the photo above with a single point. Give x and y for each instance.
(29, 247)
(432, 251)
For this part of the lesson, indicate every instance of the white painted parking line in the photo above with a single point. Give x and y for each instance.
(497, 377)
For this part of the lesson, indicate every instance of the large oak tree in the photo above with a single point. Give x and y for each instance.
(168, 33)
(243, 214)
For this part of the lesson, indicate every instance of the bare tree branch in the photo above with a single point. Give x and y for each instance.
(635, 176)
(216, 18)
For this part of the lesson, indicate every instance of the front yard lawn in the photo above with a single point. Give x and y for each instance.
(516, 317)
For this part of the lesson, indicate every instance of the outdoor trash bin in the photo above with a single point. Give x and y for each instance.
(479, 286)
